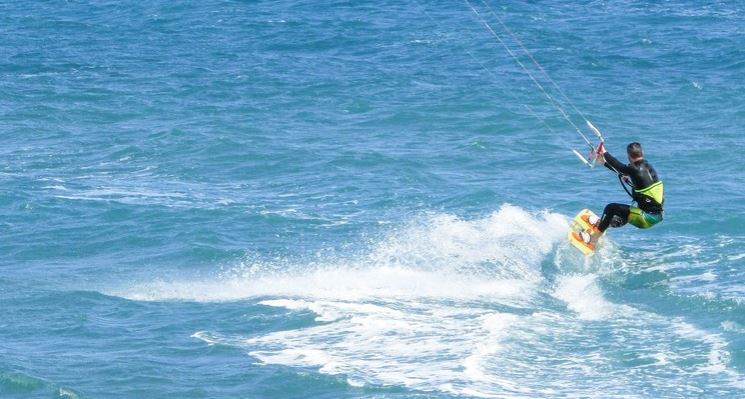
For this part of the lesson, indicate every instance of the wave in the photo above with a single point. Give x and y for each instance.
(494, 307)
(439, 256)
(22, 386)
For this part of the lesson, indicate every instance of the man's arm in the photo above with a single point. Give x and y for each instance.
(615, 165)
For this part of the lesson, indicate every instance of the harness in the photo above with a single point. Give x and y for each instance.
(653, 193)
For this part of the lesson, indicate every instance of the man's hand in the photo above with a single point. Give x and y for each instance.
(600, 158)
(599, 153)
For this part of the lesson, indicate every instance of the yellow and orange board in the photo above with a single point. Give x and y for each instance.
(579, 224)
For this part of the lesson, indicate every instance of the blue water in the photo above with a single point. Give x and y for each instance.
(304, 199)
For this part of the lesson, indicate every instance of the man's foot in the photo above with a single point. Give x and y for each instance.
(592, 220)
(585, 238)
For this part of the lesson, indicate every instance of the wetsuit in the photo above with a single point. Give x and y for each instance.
(648, 194)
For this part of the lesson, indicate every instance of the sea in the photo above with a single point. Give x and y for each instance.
(367, 199)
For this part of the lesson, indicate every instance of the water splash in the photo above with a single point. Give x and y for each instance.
(440, 256)
(464, 307)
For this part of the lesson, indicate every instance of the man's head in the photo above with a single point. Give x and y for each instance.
(634, 151)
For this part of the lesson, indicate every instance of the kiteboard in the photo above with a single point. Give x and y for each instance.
(582, 223)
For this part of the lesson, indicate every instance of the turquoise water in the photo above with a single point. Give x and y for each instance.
(365, 200)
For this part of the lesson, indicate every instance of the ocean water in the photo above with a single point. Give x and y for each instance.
(303, 199)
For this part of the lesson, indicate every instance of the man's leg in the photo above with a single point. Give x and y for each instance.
(643, 220)
(614, 215)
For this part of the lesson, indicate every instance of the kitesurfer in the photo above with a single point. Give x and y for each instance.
(648, 194)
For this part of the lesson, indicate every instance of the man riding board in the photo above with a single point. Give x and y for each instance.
(648, 194)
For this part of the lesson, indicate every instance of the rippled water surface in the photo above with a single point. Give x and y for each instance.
(305, 199)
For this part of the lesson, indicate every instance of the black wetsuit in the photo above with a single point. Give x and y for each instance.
(642, 175)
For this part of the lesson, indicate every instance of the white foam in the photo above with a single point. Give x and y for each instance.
(441, 257)
(334, 283)
(298, 357)
(496, 326)
(464, 349)
(583, 296)
(206, 337)
(329, 311)
(508, 243)
(733, 326)
(718, 355)
(67, 393)
(377, 344)
(457, 306)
